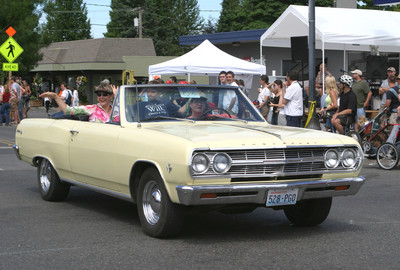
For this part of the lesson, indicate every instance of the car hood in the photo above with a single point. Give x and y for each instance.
(241, 135)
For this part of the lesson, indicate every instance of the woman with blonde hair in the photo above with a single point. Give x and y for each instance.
(331, 100)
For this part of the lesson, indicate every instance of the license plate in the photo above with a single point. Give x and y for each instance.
(278, 197)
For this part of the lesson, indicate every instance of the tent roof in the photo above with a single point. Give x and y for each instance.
(206, 59)
(338, 28)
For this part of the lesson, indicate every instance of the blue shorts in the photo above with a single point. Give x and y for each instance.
(293, 121)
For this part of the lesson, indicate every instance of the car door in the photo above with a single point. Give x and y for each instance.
(93, 153)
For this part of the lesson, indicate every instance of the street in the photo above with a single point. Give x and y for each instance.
(94, 231)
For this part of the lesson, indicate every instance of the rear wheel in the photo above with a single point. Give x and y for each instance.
(309, 212)
(50, 186)
(158, 215)
(387, 156)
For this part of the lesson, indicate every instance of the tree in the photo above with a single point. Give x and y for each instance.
(122, 15)
(23, 16)
(239, 15)
(66, 20)
(369, 4)
(164, 23)
(209, 27)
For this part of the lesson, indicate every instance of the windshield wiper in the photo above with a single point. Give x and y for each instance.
(166, 118)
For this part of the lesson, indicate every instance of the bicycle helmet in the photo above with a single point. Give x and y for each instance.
(346, 79)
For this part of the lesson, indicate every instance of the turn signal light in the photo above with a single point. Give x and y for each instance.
(338, 188)
(208, 196)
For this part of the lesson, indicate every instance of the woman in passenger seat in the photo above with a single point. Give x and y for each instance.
(99, 112)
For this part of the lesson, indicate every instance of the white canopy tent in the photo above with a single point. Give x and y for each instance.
(337, 29)
(342, 29)
(206, 59)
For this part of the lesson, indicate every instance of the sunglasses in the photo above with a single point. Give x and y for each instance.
(104, 94)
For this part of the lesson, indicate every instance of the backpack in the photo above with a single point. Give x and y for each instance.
(68, 100)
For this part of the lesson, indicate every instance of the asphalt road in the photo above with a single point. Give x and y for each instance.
(93, 231)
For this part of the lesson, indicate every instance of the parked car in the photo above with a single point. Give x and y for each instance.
(174, 148)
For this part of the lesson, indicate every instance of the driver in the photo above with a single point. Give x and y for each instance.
(197, 107)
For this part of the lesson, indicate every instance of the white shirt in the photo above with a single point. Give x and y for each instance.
(294, 95)
(75, 95)
(264, 92)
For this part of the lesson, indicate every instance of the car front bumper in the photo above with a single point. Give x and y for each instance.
(257, 193)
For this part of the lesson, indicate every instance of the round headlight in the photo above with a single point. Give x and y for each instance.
(349, 158)
(221, 163)
(200, 163)
(331, 159)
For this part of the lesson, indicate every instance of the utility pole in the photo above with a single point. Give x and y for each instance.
(140, 23)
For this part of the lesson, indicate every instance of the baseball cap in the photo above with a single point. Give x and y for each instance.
(357, 71)
(398, 77)
(391, 69)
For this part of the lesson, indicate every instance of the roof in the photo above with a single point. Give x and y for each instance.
(337, 28)
(223, 37)
(102, 50)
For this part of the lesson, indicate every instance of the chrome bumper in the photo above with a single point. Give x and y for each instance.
(257, 193)
(16, 151)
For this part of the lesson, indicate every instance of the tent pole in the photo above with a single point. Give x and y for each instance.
(312, 121)
(323, 65)
(188, 77)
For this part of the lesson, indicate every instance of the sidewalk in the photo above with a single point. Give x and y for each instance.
(40, 112)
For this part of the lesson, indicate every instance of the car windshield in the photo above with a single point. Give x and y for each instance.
(147, 103)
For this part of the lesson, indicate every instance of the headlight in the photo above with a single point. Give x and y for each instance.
(221, 163)
(349, 158)
(200, 163)
(331, 159)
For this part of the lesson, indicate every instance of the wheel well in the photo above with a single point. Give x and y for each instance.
(36, 161)
(136, 172)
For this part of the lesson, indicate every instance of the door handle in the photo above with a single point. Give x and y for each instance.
(73, 132)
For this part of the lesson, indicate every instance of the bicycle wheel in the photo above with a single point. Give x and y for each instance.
(354, 134)
(387, 156)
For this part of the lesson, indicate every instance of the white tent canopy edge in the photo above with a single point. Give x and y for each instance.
(206, 59)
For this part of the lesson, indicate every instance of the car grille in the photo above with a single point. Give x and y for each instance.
(272, 163)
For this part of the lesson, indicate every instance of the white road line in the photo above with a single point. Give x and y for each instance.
(5, 147)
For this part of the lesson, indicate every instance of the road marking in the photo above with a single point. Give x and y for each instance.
(1, 169)
(5, 147)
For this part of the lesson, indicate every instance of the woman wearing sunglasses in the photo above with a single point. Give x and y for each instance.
(99, 112)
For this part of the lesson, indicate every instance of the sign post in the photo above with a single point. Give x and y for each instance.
(10, 50)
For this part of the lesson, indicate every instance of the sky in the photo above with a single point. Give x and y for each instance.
(98, 13)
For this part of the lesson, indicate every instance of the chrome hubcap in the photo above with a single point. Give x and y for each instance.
(45, 175)
(152, 202)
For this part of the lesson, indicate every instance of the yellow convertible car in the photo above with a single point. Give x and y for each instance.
(173, 148)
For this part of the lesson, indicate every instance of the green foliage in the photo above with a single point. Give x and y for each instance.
(23, 16)
(162, 21)
(369, 4)
(66, 20)
(239, 15)
(122, 15)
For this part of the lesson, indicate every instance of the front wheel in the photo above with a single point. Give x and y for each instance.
(309, 212)
(50, 186)
(158, 215)
(387, 156)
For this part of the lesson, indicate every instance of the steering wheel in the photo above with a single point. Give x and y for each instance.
(215, 109)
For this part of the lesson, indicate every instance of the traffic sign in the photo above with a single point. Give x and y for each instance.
(10, 66)
(10, 49)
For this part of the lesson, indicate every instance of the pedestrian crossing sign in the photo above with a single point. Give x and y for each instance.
(10, 49)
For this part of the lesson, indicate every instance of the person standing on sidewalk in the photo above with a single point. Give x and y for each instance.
(5, 105)
(293, 100)
(363, 94)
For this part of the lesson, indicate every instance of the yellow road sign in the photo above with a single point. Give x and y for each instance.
(10, 66)
(10, 49)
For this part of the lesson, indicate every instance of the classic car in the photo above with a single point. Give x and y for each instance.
(168, 156)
